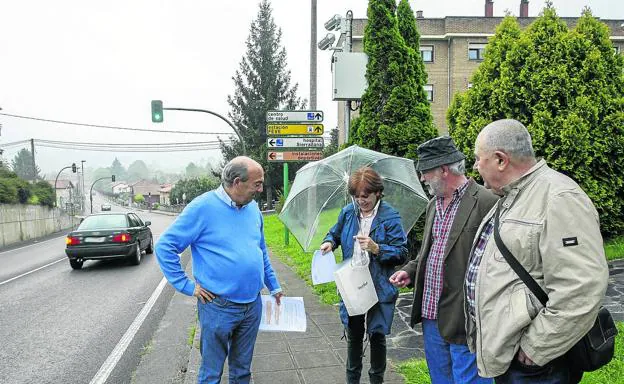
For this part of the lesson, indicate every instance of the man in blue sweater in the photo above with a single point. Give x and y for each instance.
(224, 229)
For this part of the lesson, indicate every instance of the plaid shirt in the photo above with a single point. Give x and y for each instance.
(473, 265)
(434, 272)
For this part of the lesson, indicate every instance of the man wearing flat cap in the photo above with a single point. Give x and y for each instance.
(437, 272)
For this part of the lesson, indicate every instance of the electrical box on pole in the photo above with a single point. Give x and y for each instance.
(349, 75)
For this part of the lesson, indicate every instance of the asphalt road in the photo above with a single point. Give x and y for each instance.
(58, 325)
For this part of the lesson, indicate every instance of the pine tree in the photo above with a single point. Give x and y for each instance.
(23, 165)
(396, 116)
(567, 87)
(118, 170)
(262, 83)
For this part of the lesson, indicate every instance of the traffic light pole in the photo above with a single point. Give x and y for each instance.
(91, 191)
(240, 137)
(56, 180)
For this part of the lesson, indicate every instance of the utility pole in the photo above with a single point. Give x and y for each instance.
(32, 150)
(347, 48)
(82, 196)
(313, 54)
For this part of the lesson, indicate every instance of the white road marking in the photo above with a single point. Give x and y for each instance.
(31, 245)
(105, 370)
(34, 270)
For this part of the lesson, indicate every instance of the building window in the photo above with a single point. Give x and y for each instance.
(429, 92)
(476, 51)
(426, 52)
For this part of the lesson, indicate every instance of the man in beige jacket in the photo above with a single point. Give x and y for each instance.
(551, 227)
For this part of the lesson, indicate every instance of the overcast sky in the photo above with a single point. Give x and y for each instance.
(101, 62)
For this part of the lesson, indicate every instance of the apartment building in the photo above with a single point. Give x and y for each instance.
(452, 48)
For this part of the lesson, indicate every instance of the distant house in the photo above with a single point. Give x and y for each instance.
(149, 189)
(121, 187)
(165, 194)
(65, 191)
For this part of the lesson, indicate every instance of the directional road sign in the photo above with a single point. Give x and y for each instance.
(294, 116)
(295, 142)
(295, 156)
(295, 129)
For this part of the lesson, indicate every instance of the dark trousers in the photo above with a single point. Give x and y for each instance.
(355, 351)
(557, 371)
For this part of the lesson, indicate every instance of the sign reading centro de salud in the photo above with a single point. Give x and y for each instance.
(294, 116)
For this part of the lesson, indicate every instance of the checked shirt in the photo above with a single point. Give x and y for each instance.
(434, 272)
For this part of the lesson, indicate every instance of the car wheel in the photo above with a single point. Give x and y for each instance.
(76, 264)
(135, 258)
(150, 248)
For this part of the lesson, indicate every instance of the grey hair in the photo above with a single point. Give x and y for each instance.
(458, 168)
(509, 136)
(233, 169)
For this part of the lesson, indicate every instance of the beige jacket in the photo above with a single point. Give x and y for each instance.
(551, 226)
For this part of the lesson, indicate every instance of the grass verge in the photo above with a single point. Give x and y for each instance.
(293, 255)
(415, 370)
(614, 248)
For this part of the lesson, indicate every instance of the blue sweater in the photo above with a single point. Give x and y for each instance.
(229, 254)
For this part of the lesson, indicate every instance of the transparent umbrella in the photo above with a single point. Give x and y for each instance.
(320, 191)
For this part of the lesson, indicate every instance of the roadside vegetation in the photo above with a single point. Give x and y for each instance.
(15, 190)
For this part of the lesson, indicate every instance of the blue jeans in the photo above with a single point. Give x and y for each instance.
(227, 330)
(448, 363)
(557, 371)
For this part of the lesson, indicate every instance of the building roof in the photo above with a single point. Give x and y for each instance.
(430, 28)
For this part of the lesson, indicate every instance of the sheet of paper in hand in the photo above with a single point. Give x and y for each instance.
(323, 267)
(289, 316)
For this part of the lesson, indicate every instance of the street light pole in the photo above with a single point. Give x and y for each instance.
(240, 137)
(82, 199)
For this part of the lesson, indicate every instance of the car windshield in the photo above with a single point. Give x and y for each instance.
(103, 222)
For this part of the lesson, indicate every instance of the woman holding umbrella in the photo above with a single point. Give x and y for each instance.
(372, 226)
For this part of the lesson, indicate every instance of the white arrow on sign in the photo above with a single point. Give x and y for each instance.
(295, 142)
(299, 116)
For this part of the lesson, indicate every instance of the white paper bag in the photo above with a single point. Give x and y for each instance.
(355, 284)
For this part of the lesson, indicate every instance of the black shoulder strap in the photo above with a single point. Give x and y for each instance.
(514, 264)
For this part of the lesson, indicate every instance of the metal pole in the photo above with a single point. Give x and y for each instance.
(347, 48)
(285, 196)
(313, 49)
(32, 149)
(91, 190)
(240, 137)
(82, 197)
(55, 180)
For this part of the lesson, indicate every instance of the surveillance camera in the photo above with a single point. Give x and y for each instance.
(333, 23)
(327, 41)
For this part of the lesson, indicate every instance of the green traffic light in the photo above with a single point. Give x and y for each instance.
(157, 111)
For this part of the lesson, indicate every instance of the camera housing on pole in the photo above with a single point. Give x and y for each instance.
(348, 68)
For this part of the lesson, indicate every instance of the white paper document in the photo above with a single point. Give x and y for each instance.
(323, 267)
(289, 316)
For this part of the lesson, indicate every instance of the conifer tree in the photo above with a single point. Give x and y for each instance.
(396, 116)
(567, 87)
(262, 83)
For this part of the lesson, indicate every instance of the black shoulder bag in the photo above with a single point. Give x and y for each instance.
(596, 348)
